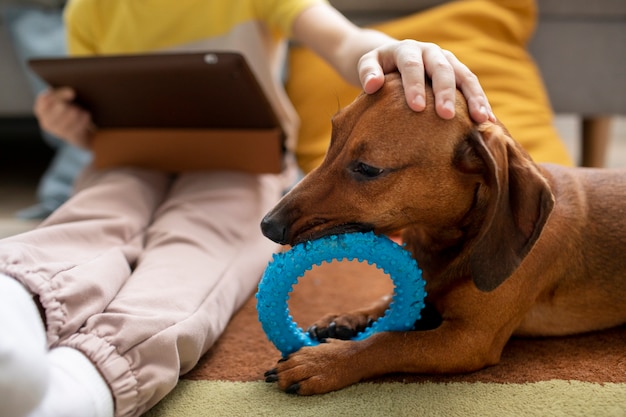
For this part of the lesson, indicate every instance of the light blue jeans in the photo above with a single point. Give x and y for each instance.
(37, 31)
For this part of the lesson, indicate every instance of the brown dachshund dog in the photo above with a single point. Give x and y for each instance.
(507, 247)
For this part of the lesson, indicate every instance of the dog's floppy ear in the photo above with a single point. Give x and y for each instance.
(519, 201)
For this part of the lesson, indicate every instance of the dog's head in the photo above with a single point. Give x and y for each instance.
(466, 196)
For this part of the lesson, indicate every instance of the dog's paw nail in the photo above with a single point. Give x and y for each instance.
(344, 333)
(332, 329)
(271, 375)
(271, 378)
(293, 389)
(312, 331)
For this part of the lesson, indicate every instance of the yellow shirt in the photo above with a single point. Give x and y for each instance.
(256, 28)
(127, 26)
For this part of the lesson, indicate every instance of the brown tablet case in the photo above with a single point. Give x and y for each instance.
(173, 111)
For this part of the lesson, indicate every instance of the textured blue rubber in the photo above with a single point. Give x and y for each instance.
(283, 272)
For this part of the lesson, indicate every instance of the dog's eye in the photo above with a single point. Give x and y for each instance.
(367, 171)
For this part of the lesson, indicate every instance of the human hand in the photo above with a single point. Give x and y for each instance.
(414, 60)
(59, 116)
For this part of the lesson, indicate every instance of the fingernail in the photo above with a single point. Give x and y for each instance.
(419, 101)
(445, 109)
(487, 113)
(369, 77)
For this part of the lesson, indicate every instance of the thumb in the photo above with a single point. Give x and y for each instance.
(65, 93)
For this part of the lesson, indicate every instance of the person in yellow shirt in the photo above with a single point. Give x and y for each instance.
(138, 274)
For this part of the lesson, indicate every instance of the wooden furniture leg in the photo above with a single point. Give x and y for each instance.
(595, 140)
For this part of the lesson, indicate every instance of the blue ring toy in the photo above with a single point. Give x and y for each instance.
(283, 272)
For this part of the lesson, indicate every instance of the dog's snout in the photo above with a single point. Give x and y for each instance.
(274, 230)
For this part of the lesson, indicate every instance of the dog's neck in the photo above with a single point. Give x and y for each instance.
(434, 250)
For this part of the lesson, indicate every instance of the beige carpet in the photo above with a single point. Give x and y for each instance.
(582, 375)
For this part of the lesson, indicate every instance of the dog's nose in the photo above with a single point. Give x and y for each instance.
(274, 230)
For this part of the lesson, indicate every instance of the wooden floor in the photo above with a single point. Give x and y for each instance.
(24, 157)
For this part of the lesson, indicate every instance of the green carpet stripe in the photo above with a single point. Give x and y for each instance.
(543, 399)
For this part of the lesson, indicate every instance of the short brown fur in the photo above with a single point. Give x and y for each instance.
(507, 247)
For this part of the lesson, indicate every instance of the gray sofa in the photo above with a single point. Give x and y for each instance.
(579, 46)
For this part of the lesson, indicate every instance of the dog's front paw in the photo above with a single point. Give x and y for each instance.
(342, 327)
(316, 370)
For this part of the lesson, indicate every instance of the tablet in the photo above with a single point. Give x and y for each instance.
(208, 102)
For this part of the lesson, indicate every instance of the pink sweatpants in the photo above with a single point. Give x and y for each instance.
(142, 271)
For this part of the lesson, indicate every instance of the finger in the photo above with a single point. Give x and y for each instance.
(442, 75)
(43, 101)
(478, 105)
(50, 103)
(78, 128)
(371, 72)
(74, 122)
(68, 122)
(65, 93)
(410, 63)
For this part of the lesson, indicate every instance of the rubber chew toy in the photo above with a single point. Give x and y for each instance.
(286, 268)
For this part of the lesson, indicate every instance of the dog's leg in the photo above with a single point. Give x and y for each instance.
(330, 366)
(346, 325)
(473, 331)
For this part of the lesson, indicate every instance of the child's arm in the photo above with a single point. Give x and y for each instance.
(364, 56)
